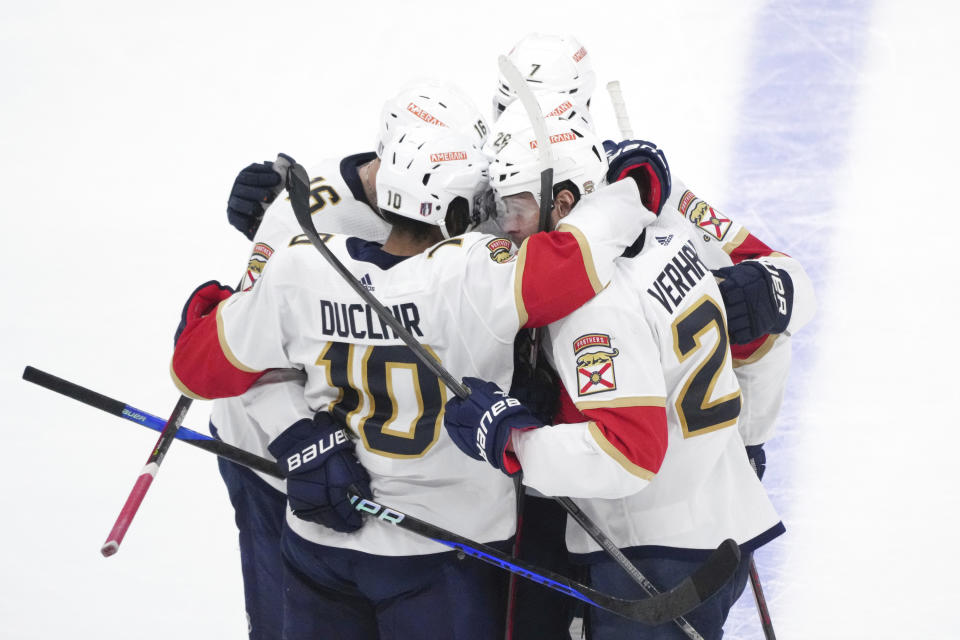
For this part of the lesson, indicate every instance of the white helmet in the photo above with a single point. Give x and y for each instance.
(549, 63)
(577, 156)
(552, 105)
(425, 170)
(431, 103)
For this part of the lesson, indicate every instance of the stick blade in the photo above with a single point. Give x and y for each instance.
(689, 594)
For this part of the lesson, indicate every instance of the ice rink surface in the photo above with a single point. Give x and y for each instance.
(828, 128)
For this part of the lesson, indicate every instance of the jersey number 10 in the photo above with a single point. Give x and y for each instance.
(395, 404)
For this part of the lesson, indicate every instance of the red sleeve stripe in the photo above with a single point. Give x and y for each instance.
(636, 437)
(746, 246)
(556, 275)
(201, 369)
(752, 351)
(182, 387)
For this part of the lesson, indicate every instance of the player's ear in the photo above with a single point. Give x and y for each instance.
(563, 202)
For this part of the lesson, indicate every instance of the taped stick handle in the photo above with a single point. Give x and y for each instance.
(145, 479)
(620, 109)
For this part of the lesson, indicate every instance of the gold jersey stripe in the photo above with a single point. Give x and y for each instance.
(761, 351)
(738, 239)
(617, 455)
(227, 352)
(182, 387)
(586, 254)
(518, 284)
(633, 401)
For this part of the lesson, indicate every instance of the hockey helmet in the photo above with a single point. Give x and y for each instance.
(549, 63)
(431, 103)
(515, 165)
(427, 171)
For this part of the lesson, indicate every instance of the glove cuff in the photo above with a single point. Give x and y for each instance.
(649, 187)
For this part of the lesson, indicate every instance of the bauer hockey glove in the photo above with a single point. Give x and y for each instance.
(481, 424)
(758, 298)
(253, 190)
(201, 302)
(318, 461)
(646, 164)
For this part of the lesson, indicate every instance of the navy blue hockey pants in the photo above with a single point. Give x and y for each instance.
(341, 594)
(259, 512)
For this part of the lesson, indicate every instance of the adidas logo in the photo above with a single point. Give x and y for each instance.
(664, 240)
(367, 282)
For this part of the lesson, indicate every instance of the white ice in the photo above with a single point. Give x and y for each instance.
(828, 128)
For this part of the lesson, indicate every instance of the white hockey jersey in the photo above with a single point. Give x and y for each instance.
(338, 205)
(650, 442)
(464, 299)
(762, 365)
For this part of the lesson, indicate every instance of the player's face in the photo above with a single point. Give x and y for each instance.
(521, 217)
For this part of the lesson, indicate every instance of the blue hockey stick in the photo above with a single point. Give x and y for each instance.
(665, 606)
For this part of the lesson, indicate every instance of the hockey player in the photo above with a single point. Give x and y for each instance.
(647, 431)
(343, 201)
(465, 298)
(767, 295)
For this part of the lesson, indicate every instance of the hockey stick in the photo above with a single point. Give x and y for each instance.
(532, 107)
(145, 479)
(620, 109)
(545, 156)
(121, 410)
(761, 601)
(709, 577)
(624, 562)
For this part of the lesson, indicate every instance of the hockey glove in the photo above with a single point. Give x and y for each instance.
(537, 387)
(758, 459)
(758, 298)
(646, 164)
(201, 302)
(481, 424)
(318, 461)
(253, 190)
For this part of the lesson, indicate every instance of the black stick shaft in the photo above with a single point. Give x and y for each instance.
(761, 601)
(128, 412)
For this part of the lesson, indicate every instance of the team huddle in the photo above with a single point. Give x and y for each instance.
(629, 351)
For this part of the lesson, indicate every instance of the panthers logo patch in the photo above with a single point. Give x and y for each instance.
(595, 371)
(258, 260)
(712, 223)
(499, 250)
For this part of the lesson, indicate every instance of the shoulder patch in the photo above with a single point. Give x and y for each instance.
(711, 222)
(258, 260)
(499, 249)
(594, 355)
